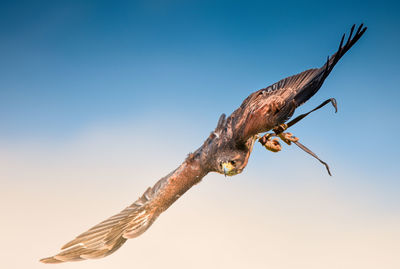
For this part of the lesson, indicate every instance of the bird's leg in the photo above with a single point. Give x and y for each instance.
(288, 138)
(271, 144)
(279, 129)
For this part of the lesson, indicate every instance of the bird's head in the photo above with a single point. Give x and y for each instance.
(231, 163)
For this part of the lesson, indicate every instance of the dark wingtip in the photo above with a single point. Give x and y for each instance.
(363, 30)
(341, 42)
(351, 33)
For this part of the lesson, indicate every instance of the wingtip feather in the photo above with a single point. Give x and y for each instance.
(50, 260)
(351, 33)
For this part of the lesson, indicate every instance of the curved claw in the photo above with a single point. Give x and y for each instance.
(269, 143)
(273, 145)
(288, 138)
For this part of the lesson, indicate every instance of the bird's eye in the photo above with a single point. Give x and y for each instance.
(233, 162)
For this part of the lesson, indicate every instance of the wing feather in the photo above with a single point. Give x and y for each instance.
(110, 234)
(273, 105)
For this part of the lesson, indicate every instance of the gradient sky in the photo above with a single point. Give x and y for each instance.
(95, 94)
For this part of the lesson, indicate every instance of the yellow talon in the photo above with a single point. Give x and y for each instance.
(288, 138)
(273, 145)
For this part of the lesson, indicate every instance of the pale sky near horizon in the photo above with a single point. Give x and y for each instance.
(98, 100)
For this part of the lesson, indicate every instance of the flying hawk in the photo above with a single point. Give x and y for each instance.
(225, 151)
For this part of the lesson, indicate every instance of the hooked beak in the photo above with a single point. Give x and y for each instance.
(226, 167)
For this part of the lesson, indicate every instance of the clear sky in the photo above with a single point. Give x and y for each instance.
(99, 99)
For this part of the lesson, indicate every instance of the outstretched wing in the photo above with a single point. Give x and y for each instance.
(306, 90)
(273, 105)
(109, 235)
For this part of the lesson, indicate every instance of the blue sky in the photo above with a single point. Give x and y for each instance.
(69, 65)
(66, 65)
(100, 98)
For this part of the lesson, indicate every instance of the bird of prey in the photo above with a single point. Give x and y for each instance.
(225, 151)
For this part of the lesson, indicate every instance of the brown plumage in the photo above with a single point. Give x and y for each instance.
(230, 143)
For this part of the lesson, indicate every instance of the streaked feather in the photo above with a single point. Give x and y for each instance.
(110, 234)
